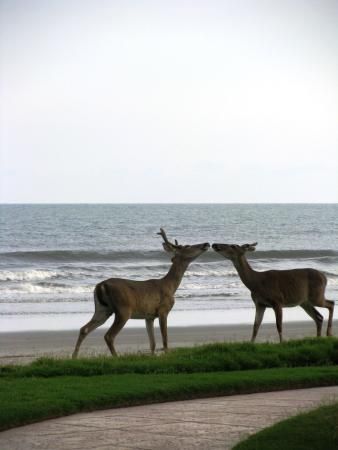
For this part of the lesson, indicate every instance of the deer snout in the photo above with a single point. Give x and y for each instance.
(216, 247)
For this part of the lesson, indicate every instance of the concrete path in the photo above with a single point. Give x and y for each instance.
(213, 423)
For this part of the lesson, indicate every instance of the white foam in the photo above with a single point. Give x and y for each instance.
(28, 275)
(30, 288)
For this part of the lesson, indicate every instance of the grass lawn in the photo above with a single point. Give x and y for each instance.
(315, 430)
(52, 388)
(204, 358)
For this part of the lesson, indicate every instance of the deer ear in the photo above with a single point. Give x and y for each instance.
(249, 247)
(252, 247)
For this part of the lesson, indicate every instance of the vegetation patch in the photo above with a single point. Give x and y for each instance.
(51, 388)
(315, 430)
(205, 358)
(29, 399)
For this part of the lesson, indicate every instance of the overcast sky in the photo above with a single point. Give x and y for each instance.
(169, 101)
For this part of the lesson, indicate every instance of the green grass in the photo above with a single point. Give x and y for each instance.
(52, 388)
(28, 399)
(206, 358)
(315, 430)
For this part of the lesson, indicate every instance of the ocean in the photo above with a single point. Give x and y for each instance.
(52, 256)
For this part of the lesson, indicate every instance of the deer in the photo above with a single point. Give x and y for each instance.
(148, 299)
(277, 289)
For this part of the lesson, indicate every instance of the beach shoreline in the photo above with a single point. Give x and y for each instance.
(26, 346)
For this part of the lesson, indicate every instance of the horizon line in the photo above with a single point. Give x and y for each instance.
(168, 203)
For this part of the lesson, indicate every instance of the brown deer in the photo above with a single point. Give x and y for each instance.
(280, 288)
(149, 299)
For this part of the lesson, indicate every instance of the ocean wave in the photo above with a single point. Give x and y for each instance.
(40, 275)
(330, 274)
(189, 291)
(294, 254)
(27, 275)
(46, 288)
(144, 255)
(46, 299)
(78, 274)
(82, 255)
(59, 308)
(203, 295)
(210, 273)
(41, 313)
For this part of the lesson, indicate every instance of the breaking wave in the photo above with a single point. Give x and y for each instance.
(33, 274)
(141, 256)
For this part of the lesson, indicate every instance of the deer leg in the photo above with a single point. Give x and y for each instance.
(260, 309)
(316, 316)
(329, 304)
(94, 323)
(279, 318)
(151, 335)
(117, 326)
(163, 326)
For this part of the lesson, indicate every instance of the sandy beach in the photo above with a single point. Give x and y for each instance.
(24, 347)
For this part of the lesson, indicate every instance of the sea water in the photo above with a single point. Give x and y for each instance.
(52, 256)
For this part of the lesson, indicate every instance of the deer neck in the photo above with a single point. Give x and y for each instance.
(174, 277)
(245, 272)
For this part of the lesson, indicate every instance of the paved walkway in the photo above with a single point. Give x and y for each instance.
(213, 423)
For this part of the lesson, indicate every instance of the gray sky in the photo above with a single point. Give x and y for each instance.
(169, 101)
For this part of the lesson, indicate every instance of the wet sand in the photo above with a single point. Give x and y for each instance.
(24, 347)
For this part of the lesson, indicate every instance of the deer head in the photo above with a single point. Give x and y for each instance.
(233, 251)
(183, 252)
